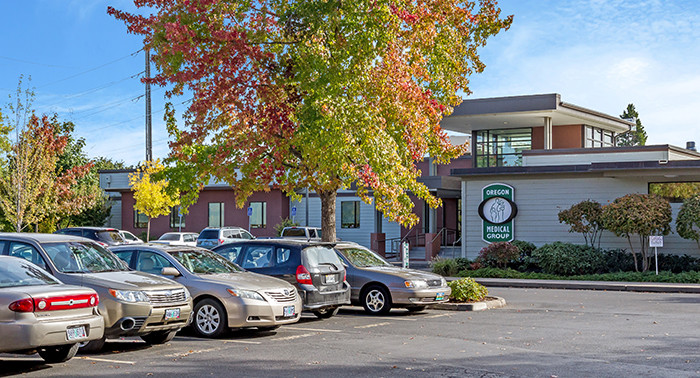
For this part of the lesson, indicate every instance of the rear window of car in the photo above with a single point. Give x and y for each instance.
(110, 236)
(209, 234)
(294, 232)
(21, 273)
(321, 255)
(169, 237)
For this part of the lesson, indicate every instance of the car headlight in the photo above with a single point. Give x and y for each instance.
(416, 284)
(129, 295)
(245, 294)
(443, 282)
(187, 293)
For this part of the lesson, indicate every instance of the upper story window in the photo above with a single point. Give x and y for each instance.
(501, 148)
(597, 137)
(216, 214)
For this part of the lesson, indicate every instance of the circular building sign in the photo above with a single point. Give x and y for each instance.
(497, 211)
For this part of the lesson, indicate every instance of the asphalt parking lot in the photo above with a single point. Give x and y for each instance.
(540, 333)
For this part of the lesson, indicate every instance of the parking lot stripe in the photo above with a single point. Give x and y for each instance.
(295, 337)
(373, 325)
(311, 329)
(394, 318)
(437, 316)
(106, 360)
(242, 342)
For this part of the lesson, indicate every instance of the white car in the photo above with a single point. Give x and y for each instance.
(178, 238)
(130, 238)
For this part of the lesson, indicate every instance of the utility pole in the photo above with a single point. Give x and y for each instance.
(149, 139)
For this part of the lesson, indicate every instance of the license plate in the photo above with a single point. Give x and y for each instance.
(171, 314)
(331, 278)
(76, 333)
(288, 311)
(440, 296)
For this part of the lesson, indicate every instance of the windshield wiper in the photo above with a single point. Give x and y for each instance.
(329, 263)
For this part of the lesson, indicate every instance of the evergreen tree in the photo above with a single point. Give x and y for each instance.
(636, 136)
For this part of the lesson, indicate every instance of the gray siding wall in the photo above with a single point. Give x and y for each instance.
(539, 201)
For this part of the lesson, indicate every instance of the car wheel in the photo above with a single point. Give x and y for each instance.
(158, 337)
(415, 308)
(376, 300)
(268, 329)
(326, 313)
(209, 318)
(60, 353)
(93, 346)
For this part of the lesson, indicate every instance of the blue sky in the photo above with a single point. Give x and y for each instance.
(600, 54)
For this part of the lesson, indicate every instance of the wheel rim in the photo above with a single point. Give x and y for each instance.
(208, 319)
(375, 300)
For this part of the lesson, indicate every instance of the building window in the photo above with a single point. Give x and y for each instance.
(140, 219)
(596, 137)
(501, 148)
(216, 214)
(177, 220)
(675, 192)
(259, 217)
(350, 214)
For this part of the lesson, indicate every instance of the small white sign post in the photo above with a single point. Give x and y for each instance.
(404, 254)
(656, 241)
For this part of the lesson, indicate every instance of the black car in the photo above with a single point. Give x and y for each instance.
(312, 267)
(104, 236)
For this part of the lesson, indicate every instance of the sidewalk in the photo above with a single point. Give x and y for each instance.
(657, 287)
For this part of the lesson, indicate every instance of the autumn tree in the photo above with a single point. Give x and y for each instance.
(640, 215)
(584, 218)
(636, 136)
(150, 193)
(319, 94)
(688, 219)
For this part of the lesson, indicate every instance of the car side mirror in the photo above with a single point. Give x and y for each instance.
(169, 271)
(344, 264)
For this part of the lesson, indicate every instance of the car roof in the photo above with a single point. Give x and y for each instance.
(288, 242)
(224, 228)
(90, 228)
(41, 238)
(156, 246)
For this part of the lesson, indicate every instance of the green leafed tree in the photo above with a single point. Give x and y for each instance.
(584, 218)
(688, 219)
(640, 215)
(150, 194)
(636, 136)
(315, 93)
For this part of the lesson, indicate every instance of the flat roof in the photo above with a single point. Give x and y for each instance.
(526, 111)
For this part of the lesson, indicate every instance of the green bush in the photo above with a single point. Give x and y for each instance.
(444, 267)
(676, 264)
(618, 260)
(498, 254)
(664, 276)
(467, 290)
(463, 263)
(568, 259)
(525, 263)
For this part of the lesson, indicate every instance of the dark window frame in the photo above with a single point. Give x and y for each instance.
(356, 209)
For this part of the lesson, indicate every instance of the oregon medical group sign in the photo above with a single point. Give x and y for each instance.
(497, 211)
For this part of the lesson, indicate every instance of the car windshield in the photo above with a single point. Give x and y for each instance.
(363, 258)
(16, 272)
(109, 236)
(322, 255)
(169, 237)
(82, 257)
(205, 262)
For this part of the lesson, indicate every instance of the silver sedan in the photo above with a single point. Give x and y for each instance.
(39, 313)
(377, 285)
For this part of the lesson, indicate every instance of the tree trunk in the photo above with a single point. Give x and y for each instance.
(634, 255)
(148, 230)
(327, 215)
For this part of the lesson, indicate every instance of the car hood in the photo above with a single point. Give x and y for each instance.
(408, 274)
(246, 281)
(127, 280)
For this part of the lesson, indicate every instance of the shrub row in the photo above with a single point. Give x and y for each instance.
(664, 276)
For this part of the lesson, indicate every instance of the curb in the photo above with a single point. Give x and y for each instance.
(489, 303)
(642, 287)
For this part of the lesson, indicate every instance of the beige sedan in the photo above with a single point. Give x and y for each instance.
(39, 313)
(225, 296)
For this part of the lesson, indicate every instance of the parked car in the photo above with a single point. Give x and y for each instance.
(312, 267)
(225, 296)
(377, 285)
(302, 233)
(178, 238)
(132, 303)
(39, 313)
(210, 237)
(130, 238)
(104, 236)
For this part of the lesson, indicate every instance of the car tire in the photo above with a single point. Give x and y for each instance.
(268, 329)
(210, 319)
(59, 353)
(326, 312)
(158, 337)
(376, 300)
(93, 346)
(415, 308)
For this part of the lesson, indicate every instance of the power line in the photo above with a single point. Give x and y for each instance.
(35, 63)
(91, 69)
(95, 89)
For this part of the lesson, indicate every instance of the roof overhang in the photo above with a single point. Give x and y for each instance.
(526, 111)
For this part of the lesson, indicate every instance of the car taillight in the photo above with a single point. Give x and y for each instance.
(303, 275)
(22, 305)
(66, 302)
(221, 241)
(102, 244)
(345, 275)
